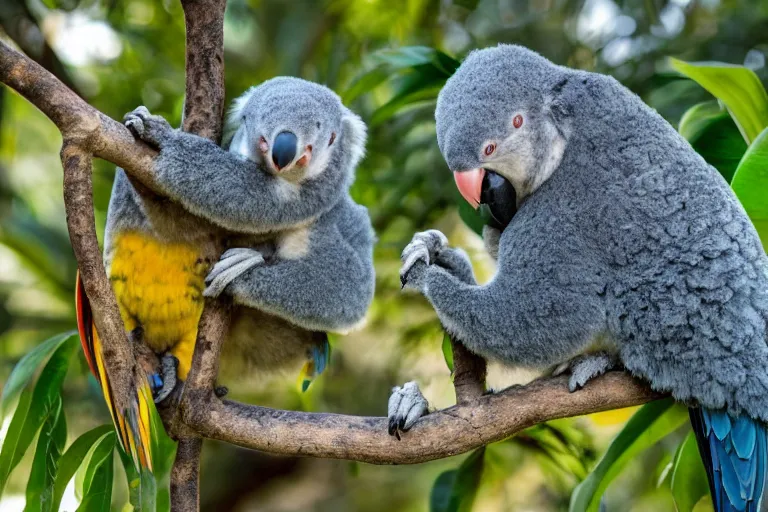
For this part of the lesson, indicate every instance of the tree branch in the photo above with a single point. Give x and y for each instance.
(469, 372)
(203, 116)
(444, 433)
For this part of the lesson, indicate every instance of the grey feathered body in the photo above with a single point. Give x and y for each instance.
(634, 242)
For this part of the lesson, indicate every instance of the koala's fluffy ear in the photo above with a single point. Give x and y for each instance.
(234, 119)
(355, 133)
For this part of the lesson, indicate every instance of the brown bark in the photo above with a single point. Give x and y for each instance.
(469, 371)
(203, 116)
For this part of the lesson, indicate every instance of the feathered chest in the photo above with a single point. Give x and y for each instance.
(159, 286)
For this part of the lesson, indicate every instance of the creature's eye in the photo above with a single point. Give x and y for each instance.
(489, 149)
(263, 146)
(517, 121)
(333, 138)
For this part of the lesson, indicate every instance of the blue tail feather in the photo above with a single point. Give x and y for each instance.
(734, 452)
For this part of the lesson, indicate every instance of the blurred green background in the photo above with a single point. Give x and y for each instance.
(118, 54)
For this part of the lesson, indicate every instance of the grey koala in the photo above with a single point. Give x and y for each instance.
(300, 256)
(627, 247)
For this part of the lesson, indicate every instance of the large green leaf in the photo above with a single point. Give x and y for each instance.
(737, 87)
(750, 183)
(455, 490)
(50, 445)
(72, 459)
(99, 476)
(33, 409)
(689, 478)
(26, 369)
(713, 134)
(647, 426)
(448, 352)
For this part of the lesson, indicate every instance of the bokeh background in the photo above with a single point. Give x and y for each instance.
(119, 54)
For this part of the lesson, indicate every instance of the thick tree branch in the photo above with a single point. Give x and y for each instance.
(469, 372)
(78, 201)
(444, 433)
(203, 116)
(79, 123)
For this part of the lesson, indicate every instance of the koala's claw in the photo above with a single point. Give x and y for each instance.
(162, 386)
(147, 127)
(406, 405)
(424, 247)
(231, 264)
(586, 367)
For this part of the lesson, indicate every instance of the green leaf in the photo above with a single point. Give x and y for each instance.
(26, 369)
(689, 478)
(97, 486)
(101, 451)
(50, 445)
(33, 409)
(647, 426)
(714, 135)
(474, 219)
(448, 351)
(736, 86)
(455, 490)
(73, 458)
(750, 183)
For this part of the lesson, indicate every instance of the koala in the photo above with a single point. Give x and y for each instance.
(626, 248)
(299, 261)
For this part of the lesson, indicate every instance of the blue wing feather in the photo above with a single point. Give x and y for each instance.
(734, 451)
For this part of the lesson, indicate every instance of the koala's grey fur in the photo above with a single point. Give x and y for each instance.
(310, 244)
(630, 242)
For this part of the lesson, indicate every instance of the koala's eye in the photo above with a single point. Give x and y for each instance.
(517, 121)
(333, 138)
(263, 146)
(489, 149)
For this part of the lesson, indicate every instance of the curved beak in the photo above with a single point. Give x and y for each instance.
(470, 184)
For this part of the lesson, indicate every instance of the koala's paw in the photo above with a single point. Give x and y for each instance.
(147, 127)
(231, 264)
(163, 385)
(406, 405)
(419, 253)
(586, 367)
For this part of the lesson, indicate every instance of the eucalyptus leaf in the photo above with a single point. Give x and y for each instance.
(737, 87)
(714, 135)
(651, 423)
(689, 478)
(750, 183)
(26, 369)
(448, 352)
(455, 490)
(34, 408)
(50, 445)
(73, 457)
(98, 496)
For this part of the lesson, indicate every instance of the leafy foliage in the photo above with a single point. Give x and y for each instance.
(651, 423)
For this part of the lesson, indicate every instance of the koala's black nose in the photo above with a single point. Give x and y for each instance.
(284, 149)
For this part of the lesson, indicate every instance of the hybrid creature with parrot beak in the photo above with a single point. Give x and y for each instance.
(626, 248)
(299, 261)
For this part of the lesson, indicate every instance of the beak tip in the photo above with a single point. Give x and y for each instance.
(470, 185)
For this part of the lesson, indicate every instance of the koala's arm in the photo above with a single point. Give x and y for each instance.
(328, 289)
(227, 190)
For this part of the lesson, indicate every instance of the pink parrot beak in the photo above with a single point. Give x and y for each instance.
(470, 184)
